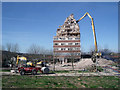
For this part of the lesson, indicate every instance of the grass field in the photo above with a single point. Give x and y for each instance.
(60, 71)
(59, 82)
(4, 70)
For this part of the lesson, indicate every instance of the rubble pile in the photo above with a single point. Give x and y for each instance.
(69, 28)
(83, 63)
(103, 62)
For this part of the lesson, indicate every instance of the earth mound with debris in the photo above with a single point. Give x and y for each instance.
(83, 63)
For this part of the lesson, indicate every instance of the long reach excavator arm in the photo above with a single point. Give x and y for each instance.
(93, 28)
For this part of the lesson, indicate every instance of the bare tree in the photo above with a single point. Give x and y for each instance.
(55, 57)
(50, 54)
(12, 47)
(34, 49)
(92, 49)
(3, 48)
(9, 47)
(106, 51)
(15, 48)
(72, 57)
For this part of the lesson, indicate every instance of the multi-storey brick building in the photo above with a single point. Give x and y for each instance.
(66, 43)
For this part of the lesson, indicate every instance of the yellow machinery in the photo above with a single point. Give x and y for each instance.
(30, 63)
(93, 28)
(24, 59)
(20, 58)
(39, 63)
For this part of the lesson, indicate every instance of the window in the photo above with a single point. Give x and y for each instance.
(55, 49)
(77, 38)
(61, 48)
(62, 44)
(74, 48)
(56, 44)
(69, 43)
(76, 43)
(69, 48)
(64, 54)
(55, 38)
(66, 38)
(73, 38)
(69, 38)
(77, 48)
(66, 48)
(67, 26)
(66, 44)
(59, 43)
(78, 54)
(63, 38)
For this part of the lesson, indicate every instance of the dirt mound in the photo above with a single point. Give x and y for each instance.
(103, 62)
(83, 63)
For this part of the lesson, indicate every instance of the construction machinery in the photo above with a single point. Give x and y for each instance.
(26, 66)
(95, 53)
(32, 69)
(21, 59)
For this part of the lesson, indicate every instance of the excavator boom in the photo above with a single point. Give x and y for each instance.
(93, 28)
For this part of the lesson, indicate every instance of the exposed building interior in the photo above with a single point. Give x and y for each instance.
(67, 41)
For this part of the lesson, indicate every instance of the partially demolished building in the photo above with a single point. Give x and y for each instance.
(66, 43)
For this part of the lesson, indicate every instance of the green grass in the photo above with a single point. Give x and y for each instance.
(59, 82)
(4, 70)
(83, 71)
(60, 71)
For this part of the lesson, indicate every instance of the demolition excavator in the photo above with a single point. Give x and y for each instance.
(95, 53)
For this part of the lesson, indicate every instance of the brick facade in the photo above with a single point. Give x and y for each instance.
(66, 43)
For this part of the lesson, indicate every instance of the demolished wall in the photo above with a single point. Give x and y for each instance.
(67, 39)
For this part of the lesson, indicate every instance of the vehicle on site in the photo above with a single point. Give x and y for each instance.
(28, 69)
(32, 69)
(23, 66)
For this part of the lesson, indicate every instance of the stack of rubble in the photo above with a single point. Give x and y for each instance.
(69, 28)
(104, 62)
(83, 63)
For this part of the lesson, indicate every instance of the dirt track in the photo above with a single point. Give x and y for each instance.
(66, 74)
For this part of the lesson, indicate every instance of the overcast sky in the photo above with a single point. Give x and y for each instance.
(36, 23)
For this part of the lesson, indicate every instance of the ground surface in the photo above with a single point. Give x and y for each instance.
(61, 78)
(66, 73)
(83, 63)
(59, 82)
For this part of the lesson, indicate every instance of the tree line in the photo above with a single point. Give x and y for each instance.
(32, 49)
